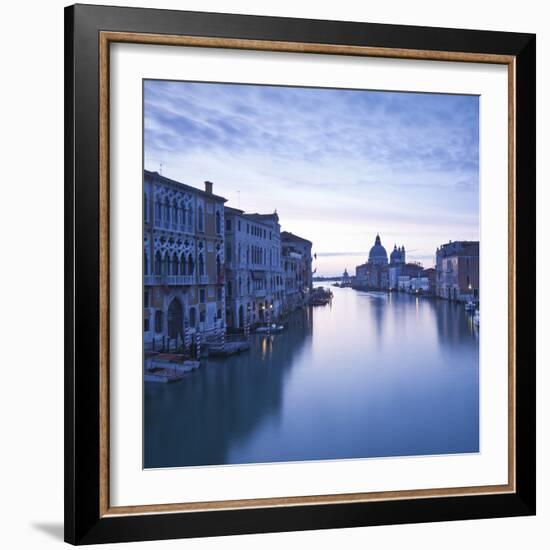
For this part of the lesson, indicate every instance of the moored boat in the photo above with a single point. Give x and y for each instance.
(320, 296)
(270, 328)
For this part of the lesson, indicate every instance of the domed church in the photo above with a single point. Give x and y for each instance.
(398, 255)
(378, 254)
(374, 274)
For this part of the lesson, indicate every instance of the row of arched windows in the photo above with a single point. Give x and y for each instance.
(255, 255)
(171, 212)
(172, 264)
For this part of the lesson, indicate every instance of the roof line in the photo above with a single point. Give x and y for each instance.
(164, 179)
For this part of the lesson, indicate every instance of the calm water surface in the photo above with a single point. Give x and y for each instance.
(371, 375)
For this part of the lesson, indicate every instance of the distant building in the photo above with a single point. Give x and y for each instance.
(403, 283)
(430, 274)
(397, 257)
(419, 285)
(377, 273)
(457, 270)
(254, 275)
(183, 258)
(297, 260)
(346, 279)
(408, 270)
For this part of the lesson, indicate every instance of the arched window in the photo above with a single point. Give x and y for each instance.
(229, 288)
(190, 217)
(200, 220)
(218, 222)
(166, 265)
(175, 318)
(218, 266)
(192, 317)
(158, 263)
(158, 320)
(174, 266)
(190, 265)
(158, 210)
(201, 264)
(145, 207)
(145, 263)
(183, 265)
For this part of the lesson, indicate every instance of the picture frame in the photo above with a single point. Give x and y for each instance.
(90, 31)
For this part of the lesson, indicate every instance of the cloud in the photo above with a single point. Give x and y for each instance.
(324, 156)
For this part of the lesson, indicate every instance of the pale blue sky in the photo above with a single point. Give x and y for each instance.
(338, 165)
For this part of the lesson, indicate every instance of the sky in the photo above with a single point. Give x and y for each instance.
(338, 166)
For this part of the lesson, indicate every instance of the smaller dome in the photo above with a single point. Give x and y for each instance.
(395, 256)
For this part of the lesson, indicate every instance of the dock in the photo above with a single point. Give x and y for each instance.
(165, 368)
(228, 348)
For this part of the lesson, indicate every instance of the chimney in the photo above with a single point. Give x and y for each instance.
(208, 187)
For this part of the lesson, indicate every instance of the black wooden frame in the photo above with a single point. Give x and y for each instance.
(83, 524)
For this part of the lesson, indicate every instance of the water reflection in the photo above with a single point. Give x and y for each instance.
(371, 375)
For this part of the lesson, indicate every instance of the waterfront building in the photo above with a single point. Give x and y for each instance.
(377, 273)
(298, 277)
(457, 270)
(254, 274)
(394, 273)
(430, 274)
(403, 283)
(183, 259)
(419, 285)
(346, 279)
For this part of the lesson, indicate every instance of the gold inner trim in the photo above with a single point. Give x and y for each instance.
(105, 39)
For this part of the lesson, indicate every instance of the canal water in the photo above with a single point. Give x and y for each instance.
(371, 375)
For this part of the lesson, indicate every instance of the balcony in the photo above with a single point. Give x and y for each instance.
(171, 226)
(158, 280)
(203, 279)
(260, 293)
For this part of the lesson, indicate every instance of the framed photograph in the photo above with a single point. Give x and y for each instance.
(299, 274)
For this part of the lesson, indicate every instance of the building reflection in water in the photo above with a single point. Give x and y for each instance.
(371, 375)
(196, 421)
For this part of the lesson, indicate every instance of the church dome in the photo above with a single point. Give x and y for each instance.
(395, 256)
(378, 254)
